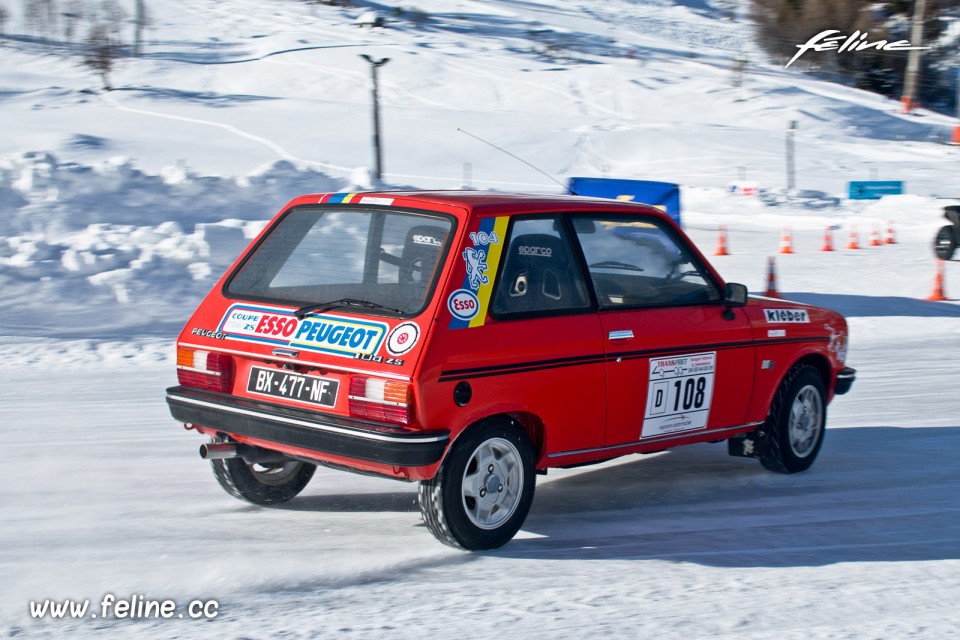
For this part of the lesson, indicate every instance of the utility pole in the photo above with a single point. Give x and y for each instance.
(955, 136)
(913, 62)
(139, 21)
(791, 173)
(378, 159)
(958, 95)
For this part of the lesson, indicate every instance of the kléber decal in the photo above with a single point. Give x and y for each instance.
(786, 315)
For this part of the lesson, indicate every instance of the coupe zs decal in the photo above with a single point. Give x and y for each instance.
(679, 394)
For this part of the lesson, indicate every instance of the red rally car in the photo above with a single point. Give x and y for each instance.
(470, 340)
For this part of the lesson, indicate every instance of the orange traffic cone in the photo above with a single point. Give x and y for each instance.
(722, 242)
(786, 241)
(771, 291)
(827, 240)
(888, 237)
(853, 243)
(938, 294)
(875, 237)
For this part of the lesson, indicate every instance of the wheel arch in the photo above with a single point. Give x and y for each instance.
(763, 400)
(453, 512)
(529, 422)
(822, 365)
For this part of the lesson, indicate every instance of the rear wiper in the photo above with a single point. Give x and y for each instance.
(320, 307)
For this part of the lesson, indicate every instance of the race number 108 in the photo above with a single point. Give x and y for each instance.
(692, 391)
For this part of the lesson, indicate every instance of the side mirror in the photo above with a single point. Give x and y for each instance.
(734, 295)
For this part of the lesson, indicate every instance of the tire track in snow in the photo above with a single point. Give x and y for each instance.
(269, 144)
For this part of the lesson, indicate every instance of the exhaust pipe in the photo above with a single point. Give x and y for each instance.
(218, 450)
(250, 455)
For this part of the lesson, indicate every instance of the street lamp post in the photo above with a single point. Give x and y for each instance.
(378, 159)
(791, 172)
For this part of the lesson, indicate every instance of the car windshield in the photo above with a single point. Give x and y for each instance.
(319, 256)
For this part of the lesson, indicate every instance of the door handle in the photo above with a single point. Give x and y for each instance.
(623, 334)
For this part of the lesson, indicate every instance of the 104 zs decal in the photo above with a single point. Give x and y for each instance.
(679, 394)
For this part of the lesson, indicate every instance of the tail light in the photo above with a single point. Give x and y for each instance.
(381, 400)
(205, 369)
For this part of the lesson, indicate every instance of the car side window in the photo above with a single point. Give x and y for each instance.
(637, 262)
(540, 272)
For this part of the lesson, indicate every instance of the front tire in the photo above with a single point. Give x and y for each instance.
(796, 422)
(945, 244)
(262, 484)
(482, 492)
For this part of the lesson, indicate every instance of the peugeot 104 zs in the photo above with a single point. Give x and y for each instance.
(469, 340)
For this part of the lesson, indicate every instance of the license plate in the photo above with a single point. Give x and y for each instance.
(293, 386)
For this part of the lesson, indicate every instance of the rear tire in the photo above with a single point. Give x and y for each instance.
(482, 492)
(262, 484)
(796, 422)
(945, 244)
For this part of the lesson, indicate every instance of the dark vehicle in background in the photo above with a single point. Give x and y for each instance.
(948, 237)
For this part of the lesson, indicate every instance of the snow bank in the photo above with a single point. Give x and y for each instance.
(124, 252)
(41, 194)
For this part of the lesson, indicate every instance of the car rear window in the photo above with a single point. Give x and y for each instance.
(321, 254)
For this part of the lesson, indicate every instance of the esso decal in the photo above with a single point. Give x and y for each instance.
(403, 338)
(463, 304)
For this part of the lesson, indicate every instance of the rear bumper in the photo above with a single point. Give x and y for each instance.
(316, 432)
(845, 380)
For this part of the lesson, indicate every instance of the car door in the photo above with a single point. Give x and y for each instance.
(523, 331)
(679, 363)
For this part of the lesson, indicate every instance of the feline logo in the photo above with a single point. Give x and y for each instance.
(825, 41)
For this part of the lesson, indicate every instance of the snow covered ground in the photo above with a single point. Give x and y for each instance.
(120, 209)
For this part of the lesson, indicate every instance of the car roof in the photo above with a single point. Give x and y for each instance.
(493, 202)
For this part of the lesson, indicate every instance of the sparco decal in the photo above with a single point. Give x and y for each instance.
(527, 250)
(786, 315)
(336, 335)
